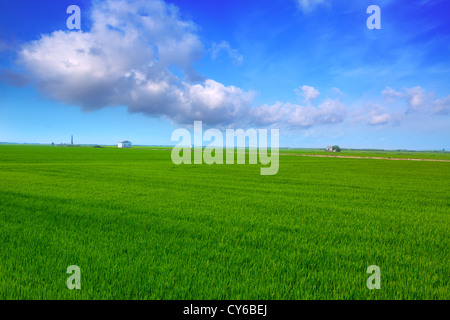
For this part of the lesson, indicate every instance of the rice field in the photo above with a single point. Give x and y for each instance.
(140, 227)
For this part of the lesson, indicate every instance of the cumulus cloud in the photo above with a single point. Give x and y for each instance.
(309, 93)
(415, 97)
(441, 106)
(418, 100)
(308, 5)
(125, 59)
(372, 114)
(328, 112)
(390, 94)
(379, 119)
(233, 54)
(270, 115)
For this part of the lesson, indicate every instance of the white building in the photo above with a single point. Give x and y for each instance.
(124, 144)
(333, 149)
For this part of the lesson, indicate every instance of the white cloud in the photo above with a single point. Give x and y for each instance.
(328, 112)
(124, 60)
(390, 94)
(441, 106)
(214, 102)
(234, 54)
(309, 93)
(416, 98)
(269, 115)
(371, 114)
(379, 119)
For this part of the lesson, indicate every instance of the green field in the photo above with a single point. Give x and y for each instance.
(374, 153)
(140, 227)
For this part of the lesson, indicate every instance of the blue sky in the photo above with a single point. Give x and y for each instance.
(137, 70)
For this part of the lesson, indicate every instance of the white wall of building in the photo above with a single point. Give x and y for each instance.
(124, 144)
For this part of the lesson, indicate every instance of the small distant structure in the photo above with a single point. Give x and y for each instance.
(333, 149)
(124, 145)
(71, 140)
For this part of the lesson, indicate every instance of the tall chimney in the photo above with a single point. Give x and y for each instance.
(71, 140)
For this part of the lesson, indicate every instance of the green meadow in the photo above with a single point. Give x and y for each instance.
(400, 154)
(140, 227)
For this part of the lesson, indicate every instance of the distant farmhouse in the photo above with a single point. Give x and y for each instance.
(124, 144)
(333, 149)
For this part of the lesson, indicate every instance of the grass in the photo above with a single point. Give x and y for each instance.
(437, 155)
(140, 227)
